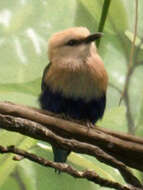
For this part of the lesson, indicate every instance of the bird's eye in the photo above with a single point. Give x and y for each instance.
(71, 42)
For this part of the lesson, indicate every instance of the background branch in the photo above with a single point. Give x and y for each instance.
(131, 68)
(89, 175)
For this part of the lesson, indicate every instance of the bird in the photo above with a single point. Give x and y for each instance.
(75, 81)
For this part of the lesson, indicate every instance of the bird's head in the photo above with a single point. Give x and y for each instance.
(73, 43)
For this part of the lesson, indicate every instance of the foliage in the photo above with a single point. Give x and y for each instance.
(25, 27)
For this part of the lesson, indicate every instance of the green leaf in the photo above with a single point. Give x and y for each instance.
(130, 36)
(10, 183)
(115, 23)
(20, 98)
(31, 87)
(25, 32)
(114, 118)
(27, 174)
(7, 164)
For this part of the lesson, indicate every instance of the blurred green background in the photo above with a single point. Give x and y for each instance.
(25, 27)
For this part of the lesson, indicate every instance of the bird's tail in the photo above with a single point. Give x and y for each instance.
(60, 155)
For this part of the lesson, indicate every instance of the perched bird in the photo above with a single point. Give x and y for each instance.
(75, 81)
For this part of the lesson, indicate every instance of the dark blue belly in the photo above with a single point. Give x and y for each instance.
(75, 108)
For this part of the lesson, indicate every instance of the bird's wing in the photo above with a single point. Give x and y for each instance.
(43, 84)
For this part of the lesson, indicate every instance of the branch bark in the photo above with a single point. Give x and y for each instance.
(114, 149)
(126, 148)
(89, 175)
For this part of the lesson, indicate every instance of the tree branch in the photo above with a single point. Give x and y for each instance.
(114, 149)
(89, 175)
(127, 151)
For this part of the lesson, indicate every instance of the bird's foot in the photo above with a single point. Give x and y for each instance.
(57, 171)
(64, 116)
(90, 125)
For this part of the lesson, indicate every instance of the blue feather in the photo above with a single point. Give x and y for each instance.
(75, 108)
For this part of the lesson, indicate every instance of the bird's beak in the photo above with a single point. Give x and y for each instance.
(93, 37)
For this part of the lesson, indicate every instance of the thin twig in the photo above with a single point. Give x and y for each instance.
(89, 175)
(135, 35)
(125, 93)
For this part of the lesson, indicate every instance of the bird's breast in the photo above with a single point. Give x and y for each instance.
(87, 80)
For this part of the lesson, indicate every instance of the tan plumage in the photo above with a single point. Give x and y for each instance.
(76, 71)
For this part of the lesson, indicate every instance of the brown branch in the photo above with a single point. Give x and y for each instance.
(123, 136)
(89, 175)
(107, 146)
(32, 129)
(127, 151)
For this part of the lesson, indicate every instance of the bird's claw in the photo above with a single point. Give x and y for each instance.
(89, 125)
